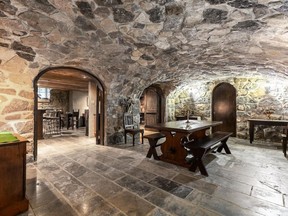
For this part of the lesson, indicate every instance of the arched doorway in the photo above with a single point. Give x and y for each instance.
(152, 105)
(70, 80)
(224, 107)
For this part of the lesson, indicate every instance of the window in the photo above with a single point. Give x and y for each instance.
(44, 93)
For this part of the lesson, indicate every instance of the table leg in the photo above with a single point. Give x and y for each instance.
(172, 150)
(251, 131)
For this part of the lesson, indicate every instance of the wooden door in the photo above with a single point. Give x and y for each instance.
(152, 110)
(224, 107)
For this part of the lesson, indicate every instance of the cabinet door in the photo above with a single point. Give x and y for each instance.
(12, 171)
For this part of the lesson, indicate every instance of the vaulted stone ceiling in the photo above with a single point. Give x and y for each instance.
(148, 41)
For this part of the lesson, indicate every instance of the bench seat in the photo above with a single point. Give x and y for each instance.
(200, 147)
(153, 139)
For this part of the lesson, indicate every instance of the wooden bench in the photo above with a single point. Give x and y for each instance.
(200, 147)
(153, 139)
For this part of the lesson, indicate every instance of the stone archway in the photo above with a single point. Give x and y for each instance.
(69, 78)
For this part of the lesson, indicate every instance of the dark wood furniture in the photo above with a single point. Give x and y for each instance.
(130, 128)
(153, 142)
(179, 118)
(72, 119)
(284, 141)
(13, 177)
(174, 131)
(200, 147)
(268, 122)
(40, 113)
(86, 114)
(75, 118)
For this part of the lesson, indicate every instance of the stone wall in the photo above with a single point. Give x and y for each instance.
(129, 45)
(254, 96)
(59, 100)
(16, 96)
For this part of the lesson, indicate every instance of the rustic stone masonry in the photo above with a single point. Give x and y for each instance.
(254, 97)
(131, 44)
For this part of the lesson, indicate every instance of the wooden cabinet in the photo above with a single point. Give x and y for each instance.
(13, 177)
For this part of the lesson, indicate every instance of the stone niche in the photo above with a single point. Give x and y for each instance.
(116, 136)
(254, 97)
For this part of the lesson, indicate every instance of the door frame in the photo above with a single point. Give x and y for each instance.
(35, 110)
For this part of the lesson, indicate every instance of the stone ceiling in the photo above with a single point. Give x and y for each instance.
(148, 41)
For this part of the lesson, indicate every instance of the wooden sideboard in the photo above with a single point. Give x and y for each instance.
(13, 177)
(268, 122)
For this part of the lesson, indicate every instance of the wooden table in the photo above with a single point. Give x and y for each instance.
(172, 150)
(268, 122)
(13, 177)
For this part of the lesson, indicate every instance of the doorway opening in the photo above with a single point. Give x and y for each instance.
(224, 107)
(152, 106)
(67, 102)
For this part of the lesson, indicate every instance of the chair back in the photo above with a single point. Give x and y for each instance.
(76, 113)
(128, 121)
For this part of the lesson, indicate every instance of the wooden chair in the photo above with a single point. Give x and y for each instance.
(72, 119)
(130, 128)
(75, 116)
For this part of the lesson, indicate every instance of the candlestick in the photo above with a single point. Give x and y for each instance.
(187, 116)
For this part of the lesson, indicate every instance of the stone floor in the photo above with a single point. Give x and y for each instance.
(73, 176)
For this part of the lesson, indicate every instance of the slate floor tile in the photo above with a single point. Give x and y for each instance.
(176, 206)
(43, 198)
(141, 174)
(36, 186)
(196, 182)
(271, 196)
(158, 197)
(164, 184)
(27, 213)
(154, 168)
(131, 204)
(159, 212)
(96, 206)
(135, 185)
(112, 173)
(217, 204)
(100, 185)
(73, 189)
(75, 169)
(181, 191)
(251, 203)
(55, 208)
